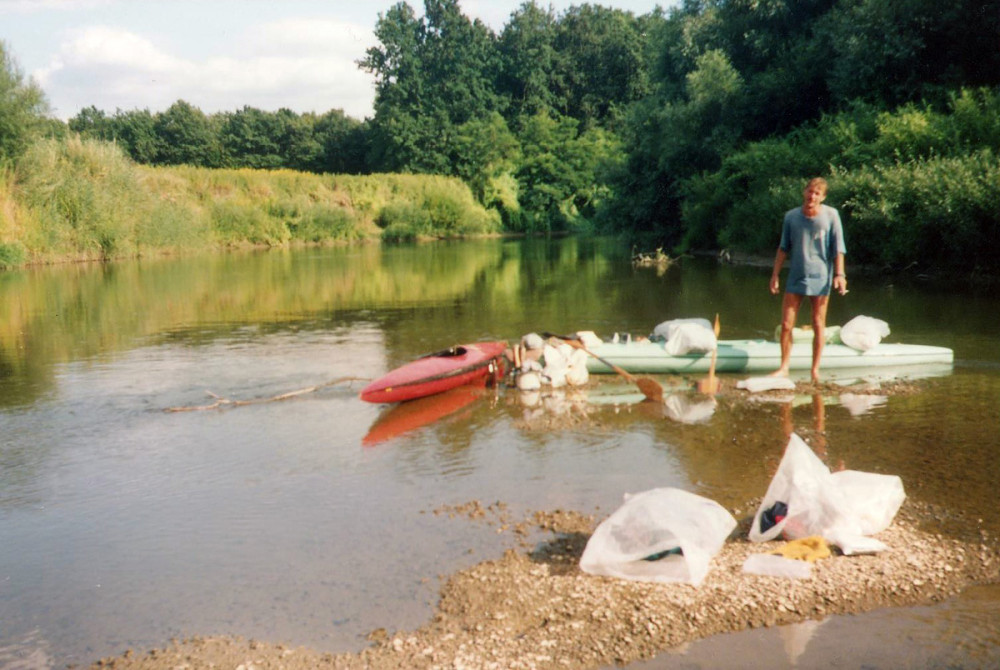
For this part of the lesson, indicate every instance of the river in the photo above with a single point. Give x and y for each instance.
(124, 525)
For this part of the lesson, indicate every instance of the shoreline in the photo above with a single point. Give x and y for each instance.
(534, 608)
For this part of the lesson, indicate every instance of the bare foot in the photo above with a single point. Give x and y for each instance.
(780, 372)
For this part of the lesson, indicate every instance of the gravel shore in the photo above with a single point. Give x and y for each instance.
(536, 609)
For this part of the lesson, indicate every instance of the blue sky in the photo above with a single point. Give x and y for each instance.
(219, 55)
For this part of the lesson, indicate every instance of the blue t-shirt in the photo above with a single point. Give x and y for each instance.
(812, 244)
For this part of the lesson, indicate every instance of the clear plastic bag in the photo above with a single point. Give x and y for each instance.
(863, 332)
(660, 535)
(805, 498)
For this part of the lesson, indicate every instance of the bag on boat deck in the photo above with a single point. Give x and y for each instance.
(660, 535)
(666, 330)
(863, 332)
(845, 508)
(686, 336)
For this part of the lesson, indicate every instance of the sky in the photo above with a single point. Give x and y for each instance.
(218, 55)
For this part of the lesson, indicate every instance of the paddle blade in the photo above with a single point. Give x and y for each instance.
(650, 388)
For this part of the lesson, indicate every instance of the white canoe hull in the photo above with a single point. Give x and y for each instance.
(762, 356)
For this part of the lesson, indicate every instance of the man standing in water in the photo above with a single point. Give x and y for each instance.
(812, 237)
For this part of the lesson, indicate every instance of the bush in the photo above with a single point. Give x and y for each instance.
(930, 214)
(915, 187)
(237, 224)
(87, 195)
(12, 255)
(322, 224)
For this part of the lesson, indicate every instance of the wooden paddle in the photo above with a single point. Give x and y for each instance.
(711, 384)
(649, 387)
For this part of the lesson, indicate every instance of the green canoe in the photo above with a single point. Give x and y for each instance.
(762, 356)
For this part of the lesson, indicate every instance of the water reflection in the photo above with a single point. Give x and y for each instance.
(689, 408)
(406, 417)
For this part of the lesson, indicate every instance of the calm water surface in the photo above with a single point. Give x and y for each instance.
(310, 521)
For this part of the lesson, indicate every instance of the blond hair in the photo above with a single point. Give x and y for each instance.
(818, 182)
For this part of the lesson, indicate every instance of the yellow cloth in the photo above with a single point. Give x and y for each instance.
(809, 549)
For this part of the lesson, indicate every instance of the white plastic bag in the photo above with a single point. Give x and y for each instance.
(690, 338)
(863, 332)
(874, 498)
(660, 535)
(576, 371)
(667, 329)
(805, 498)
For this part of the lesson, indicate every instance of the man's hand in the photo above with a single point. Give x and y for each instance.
(840, 284)
(774, 285)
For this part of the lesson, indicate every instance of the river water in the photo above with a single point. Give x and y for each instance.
(312, 521)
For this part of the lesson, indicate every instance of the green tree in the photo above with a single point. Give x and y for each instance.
(23, 108)
(485, 156)
(670, 140)
(893, 51)
(135, 131)
(431, 75)
(297, 144)
(185, 136)
(91, 122)
(604, 62)
(530, 68)
(559, 174)
(342, 144)
(248, 138)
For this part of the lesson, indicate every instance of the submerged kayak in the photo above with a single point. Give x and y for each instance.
(438, 372)
(756, 356)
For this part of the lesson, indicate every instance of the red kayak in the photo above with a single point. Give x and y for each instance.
(440, 371)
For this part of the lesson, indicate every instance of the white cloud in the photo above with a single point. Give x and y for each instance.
(303, 65)
(36, 6)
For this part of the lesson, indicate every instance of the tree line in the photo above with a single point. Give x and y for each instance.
(689, 128)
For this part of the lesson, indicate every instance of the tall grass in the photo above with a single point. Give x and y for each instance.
(83, 199)
(410, 207)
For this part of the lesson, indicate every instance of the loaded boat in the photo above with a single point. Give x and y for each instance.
(480, 362)
(760, 356)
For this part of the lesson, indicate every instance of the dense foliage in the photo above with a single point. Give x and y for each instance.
(22, 108)
(692, 128)
(721, 144)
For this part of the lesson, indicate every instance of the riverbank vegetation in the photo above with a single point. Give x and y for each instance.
(84, 199)
(687, 129)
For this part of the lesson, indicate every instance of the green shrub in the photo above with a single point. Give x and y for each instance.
(323, 224)
(932, 213)
(402, 222)
(237, 224)
(12, 255)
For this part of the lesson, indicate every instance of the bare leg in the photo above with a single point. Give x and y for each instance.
(819, 305)
(789, 310)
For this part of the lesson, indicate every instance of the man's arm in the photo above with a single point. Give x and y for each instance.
(839, 276)
(779, 260)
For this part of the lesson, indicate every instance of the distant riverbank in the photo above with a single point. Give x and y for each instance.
(78, 200)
